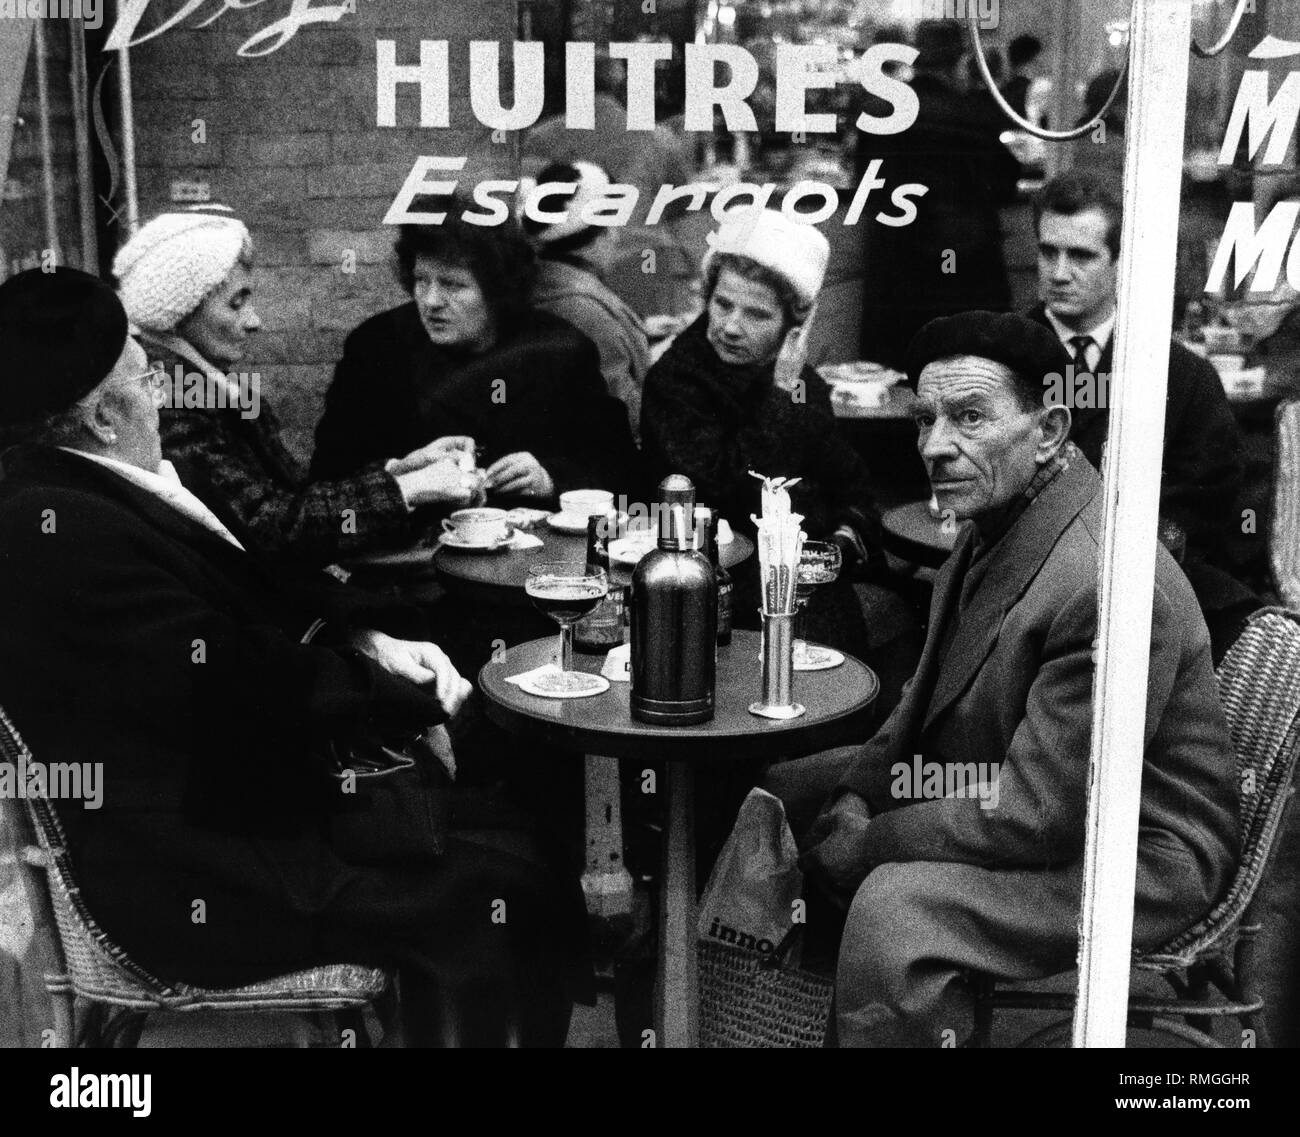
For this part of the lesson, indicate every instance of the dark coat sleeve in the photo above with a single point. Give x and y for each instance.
(349, 432)
(314, 521)
(582, 437)
(109, 615)
(1203, 453)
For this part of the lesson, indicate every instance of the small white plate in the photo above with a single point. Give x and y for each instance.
(568, 522)
(542, 684)
(627, 551)
(447, 541)
(820, 658)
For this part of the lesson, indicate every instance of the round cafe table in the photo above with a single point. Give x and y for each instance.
(909, 531)
(838, 701)
(508, 568)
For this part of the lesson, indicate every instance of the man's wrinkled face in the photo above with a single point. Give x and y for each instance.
(981, 448)
(1076, 271)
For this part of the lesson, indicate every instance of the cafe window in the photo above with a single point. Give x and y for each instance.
(48, 201)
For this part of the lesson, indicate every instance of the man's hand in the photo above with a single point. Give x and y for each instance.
(457, 448)
(424, 664)
(836, 854)
(519, 474)
(443, 482)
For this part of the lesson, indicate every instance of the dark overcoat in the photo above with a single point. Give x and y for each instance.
(139, 639)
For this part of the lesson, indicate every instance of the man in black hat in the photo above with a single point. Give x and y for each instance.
(956, 834)
(141, 636)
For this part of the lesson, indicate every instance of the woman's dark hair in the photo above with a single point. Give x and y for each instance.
(794, 309)
(498, 256)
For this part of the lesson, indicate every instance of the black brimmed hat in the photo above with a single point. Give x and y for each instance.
(1027, 348)
(61, 333)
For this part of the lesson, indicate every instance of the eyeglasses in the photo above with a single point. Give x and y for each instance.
(155, 379)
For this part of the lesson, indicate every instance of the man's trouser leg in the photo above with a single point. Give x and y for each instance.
(916, 928)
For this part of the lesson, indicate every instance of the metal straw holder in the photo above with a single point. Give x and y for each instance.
(778, 668)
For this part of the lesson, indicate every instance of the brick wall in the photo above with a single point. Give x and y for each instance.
(289, 141)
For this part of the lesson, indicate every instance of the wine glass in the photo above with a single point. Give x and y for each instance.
(819, 563)
(566, 591)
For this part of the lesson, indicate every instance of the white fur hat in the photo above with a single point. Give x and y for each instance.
(793, 250)
(173, 262)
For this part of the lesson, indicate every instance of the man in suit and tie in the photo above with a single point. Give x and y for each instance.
(1078, 217)
(955, 836)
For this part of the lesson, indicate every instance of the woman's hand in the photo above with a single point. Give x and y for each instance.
(443, 482)
(458, 448)
(424, 664)
(519, 475)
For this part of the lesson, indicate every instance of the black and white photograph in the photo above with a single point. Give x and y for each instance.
(650, 524)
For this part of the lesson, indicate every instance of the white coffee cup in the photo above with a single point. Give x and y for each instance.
(479, 526)
(586, 503)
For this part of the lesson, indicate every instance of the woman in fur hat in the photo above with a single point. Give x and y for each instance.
(186, 282)
(733, 394)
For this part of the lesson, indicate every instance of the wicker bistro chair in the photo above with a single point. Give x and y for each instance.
(99, 973)
(1284, 532)
(1209, 966)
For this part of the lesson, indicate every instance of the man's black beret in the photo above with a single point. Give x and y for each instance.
(1029, 349)
(61, 333)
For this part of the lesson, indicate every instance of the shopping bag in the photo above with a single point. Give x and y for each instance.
(750, 899)
(752, 992)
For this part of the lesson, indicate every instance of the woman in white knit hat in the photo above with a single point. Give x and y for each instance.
(733, 394)
(185, 280)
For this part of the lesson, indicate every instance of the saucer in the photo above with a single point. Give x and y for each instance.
(568, 522)
(627, 551)
(820, 658)
(447, 541)
(548, 682)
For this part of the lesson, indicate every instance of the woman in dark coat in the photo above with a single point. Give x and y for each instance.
(467, 357)
(185, 280)
(732, 395)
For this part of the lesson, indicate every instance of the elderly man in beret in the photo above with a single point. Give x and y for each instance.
(956, 835)
(210, 686)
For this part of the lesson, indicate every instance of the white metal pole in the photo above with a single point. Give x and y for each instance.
(1065, 81)
(128, 141)
(81, 129)
(47, 144)
(1161, 36)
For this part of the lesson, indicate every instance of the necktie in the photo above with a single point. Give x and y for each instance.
(1079, 356)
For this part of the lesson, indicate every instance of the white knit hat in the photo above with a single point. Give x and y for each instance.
(795, 251)
(172, 263)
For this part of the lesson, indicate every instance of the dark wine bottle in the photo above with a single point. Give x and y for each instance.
(602, 629)
(706, 540)
(674, 599)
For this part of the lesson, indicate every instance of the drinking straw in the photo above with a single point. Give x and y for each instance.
(779, 543)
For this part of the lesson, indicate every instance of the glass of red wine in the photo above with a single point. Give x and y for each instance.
(567, 591)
